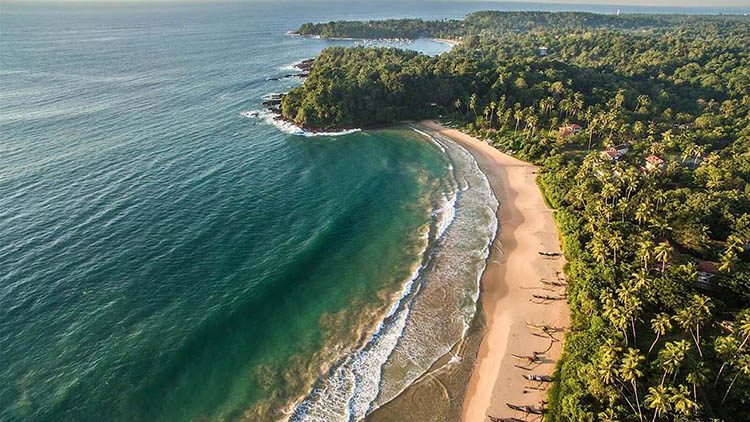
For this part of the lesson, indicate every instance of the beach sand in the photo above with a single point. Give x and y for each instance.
(451, 43)
(512, 276)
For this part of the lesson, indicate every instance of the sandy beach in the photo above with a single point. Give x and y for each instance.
(451, 43)
(509, 282)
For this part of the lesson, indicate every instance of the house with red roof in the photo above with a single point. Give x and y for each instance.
(570, 130)
(655, 163)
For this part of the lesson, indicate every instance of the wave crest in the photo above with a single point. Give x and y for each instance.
(285, 126)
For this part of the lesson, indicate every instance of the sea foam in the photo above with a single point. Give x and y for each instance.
(285, 126)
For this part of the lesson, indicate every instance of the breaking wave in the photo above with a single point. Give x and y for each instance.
(292, 66)
(285, 126)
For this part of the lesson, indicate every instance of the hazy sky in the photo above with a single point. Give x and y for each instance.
(675, 3)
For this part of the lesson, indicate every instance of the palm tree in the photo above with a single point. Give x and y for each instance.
(606, 370)
(606, 365)
(599, 248)
(638, 128)
(725, 345)
(663, 252)
(564, 106)
(688, 152)
(698, 376)
(506, 117)
(630, 179)
(592, 127)
(661, 225)
(518, 115)
(616, 243)
(577, 104)
(727, 348)
(660, 324)
(609, 190)
(686, 317)
(458, 104)
(608, 416)
(743, 368)
(727, 260)
(642, 213)
(493, 106)
(643, 101)
(694, 151)
(531, 121)
(473, 104)
(630, 370)
(658, 399)
(702, 307)
(615, 313)
(681, 401)
(645, 248)
(743, 326)
(661, 197)
(695, 314)
(632, 303)
(698, 153)
(502, 104)
(671, 357)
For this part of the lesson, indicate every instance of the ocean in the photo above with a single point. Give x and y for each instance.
(164, 257)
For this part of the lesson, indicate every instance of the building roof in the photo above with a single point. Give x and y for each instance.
(570, 129)
(620, 147)
(613, 155)
(654, 160)
(708, 267)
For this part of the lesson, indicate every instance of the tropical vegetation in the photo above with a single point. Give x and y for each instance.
(641, 128)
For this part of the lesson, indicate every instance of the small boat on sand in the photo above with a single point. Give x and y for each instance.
(539, 378)
(526, 409)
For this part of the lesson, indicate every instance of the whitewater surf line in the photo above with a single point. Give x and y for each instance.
(290, 128)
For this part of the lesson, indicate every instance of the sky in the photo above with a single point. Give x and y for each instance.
(672, 3)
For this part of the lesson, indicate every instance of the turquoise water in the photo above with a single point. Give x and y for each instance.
(164, 258)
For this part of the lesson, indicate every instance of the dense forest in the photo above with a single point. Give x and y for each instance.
(656, 231)
(494, 23)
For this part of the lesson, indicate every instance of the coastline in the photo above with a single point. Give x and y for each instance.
(510, 279)
(451, 43)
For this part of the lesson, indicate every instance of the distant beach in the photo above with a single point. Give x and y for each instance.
(451, 43)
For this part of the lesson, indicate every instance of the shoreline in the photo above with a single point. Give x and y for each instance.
(450, 42)
(514, 268)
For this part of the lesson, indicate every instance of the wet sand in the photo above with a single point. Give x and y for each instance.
(512, 276)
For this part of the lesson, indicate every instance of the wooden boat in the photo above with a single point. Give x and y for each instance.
(494, 419)
(525, 409)
(529, 359)
(544, 328)
(546, 297)
(553, 283)
(539, 378)
(549, 253)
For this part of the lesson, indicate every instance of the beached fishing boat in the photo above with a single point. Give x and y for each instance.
(539, 378)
